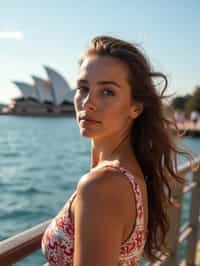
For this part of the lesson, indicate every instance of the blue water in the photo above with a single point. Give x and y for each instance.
(41, 160)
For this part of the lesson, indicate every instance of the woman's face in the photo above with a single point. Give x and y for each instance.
(103, 97)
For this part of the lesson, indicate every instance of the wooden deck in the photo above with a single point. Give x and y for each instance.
(190, 129)
(189, 125)
(197, 262)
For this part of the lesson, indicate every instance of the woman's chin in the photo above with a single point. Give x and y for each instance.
(86, 133)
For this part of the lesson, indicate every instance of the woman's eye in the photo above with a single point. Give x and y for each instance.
(108, 92)
(85, 90)
(82, 89)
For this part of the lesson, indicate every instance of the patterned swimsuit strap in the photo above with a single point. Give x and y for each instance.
(135, 186)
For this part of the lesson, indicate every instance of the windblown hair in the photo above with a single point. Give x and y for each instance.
(151, 137)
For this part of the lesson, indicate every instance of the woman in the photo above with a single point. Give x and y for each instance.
(118, 212)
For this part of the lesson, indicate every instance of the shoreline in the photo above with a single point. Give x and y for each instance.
(189, 128)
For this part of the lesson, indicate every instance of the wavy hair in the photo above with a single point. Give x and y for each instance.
(151, 137)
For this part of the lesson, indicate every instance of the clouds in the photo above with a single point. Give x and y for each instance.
(17, 35)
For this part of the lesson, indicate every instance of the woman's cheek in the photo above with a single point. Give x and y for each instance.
(77, 102)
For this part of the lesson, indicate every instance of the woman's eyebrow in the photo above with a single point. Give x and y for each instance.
(82, 81)
(108, 82)
(102, 82)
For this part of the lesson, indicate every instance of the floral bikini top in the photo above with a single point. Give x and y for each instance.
(58, 239)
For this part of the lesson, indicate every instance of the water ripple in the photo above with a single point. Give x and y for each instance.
(10, 154)
(33, 169)
(30, 191)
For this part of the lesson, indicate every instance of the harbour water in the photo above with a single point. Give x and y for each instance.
(41, 160)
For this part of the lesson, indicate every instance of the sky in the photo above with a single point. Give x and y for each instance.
(55, 33)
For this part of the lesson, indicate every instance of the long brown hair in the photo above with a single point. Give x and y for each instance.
(151, 137)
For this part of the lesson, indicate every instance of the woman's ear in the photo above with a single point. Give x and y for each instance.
(136, 110)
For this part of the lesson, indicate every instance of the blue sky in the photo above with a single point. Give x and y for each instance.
(55, 33)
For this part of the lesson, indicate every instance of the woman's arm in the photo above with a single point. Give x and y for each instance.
(99, 219)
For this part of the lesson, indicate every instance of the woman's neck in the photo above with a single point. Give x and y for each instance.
(114, 149)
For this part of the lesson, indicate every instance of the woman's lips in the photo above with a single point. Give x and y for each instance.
(88, 121)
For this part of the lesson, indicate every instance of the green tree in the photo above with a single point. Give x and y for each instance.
(193, 102)
(179, 103)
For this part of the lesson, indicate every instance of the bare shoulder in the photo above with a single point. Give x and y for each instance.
(100, 217)
(104, 182)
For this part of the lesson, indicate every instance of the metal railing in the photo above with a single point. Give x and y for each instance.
(188, 231)
(24, 244)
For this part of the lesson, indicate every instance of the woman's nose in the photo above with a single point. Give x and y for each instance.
(89, 102)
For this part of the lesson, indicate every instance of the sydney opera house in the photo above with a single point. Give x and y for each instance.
(44, 97)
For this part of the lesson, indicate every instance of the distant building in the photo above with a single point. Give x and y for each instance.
(27, 90)
(45, 90)
(60, 87)
(44, 97)
(2, 106)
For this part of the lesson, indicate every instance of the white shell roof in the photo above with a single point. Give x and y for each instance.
(56, 89)
(61, 88)
(44, 89)
(27, 90)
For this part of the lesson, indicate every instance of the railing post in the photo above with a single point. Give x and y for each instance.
(194, 215)
(175, 221)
